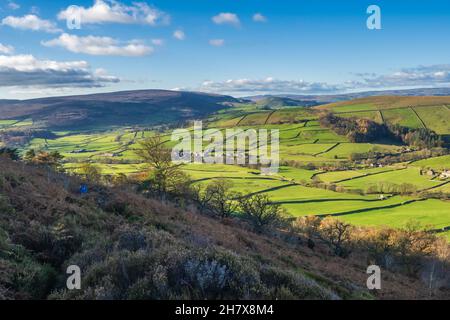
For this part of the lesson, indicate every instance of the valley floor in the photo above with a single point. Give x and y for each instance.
(358, 193)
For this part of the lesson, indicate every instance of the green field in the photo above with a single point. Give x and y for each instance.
(400, 176)
(11, 124)
(432, 213)
(337, 206)
(295, 174)
(303, 141)
(404, 117)
(438, 163)
(435, 118)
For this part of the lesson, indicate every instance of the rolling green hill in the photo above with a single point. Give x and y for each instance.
(414, 112)
(319, 176)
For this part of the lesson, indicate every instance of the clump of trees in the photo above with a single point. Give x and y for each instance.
(392, 188)
(417, 137)
(219, 199)
(356, 130)
(411, 250)
(41, 157)
(365, 130)
(336, 234)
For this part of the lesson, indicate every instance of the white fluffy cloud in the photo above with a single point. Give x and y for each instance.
(98, 46)
(28, 71)
(226, 18)
(179, 35)
(258, 17)
(111, 11)
(433, 75)
(217, 42)
(30, 22)
(417, 77)
(5, 49)
(268, 85)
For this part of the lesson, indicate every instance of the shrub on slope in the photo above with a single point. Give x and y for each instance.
(132, 247)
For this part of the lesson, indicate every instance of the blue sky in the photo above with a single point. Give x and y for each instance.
(291, 46)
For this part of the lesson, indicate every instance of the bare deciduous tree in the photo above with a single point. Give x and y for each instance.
(165, 177)
(220, 199)
(337, 235)
(260, 211)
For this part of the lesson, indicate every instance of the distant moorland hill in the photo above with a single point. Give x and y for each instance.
(328, 98)
(114, 109)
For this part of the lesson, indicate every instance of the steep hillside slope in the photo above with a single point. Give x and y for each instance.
(128, 246)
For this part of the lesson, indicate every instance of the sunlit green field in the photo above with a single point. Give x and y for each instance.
(5, 124)
(435, 118)
(337, 176)
(433, 213)
(296, 174)
(337, 206)
(439, 163)
(303, 141)
(401, 176)
(404, 117)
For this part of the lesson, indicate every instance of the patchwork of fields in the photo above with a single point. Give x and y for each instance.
(299, 190)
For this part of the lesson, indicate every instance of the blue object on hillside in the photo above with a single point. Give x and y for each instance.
(83, 189)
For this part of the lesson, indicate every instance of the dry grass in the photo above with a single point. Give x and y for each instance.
(49, 200)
